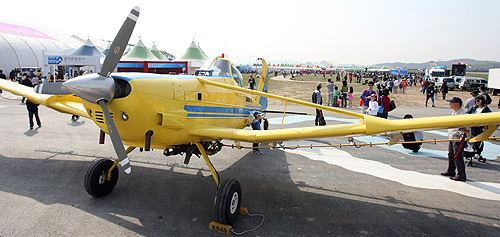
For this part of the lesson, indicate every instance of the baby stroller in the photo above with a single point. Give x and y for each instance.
(471, 152)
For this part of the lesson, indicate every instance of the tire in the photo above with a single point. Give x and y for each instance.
(97, 172)
(227, 202)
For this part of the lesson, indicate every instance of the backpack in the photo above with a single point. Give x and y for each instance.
(314, 97)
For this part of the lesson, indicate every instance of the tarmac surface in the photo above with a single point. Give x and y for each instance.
(367, 191)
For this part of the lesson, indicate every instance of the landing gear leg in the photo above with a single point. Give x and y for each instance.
(228, 199)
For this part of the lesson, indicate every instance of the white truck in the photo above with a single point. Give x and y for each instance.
(433, 73)
(494, 81)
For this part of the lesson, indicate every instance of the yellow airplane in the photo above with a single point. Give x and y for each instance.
(184, 114)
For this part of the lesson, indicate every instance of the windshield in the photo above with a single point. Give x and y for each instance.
(449, 80)
(237, 75)
(220, 67)
(437, 74)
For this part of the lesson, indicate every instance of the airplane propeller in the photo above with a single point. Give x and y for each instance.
(99, 87)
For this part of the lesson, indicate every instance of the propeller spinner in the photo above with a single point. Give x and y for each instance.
(99, 87)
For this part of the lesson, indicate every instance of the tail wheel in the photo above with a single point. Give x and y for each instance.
(96, 183)
(227, 202)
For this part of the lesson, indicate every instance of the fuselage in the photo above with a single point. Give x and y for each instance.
(170, 105)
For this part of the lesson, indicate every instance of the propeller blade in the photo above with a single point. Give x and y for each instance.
(119, 43)
(115, 138)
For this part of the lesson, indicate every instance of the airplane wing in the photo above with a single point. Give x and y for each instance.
(69, 104)
(367, 126)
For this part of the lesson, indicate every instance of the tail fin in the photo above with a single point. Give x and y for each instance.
(264, 77)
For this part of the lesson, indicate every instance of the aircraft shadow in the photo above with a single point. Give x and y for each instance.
(166, 202)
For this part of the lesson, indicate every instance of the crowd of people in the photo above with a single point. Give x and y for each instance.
(376, 102)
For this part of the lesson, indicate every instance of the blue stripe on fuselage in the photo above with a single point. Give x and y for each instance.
(219, 112)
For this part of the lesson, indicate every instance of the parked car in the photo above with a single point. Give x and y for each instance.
(471, 83)
(458, 79)
(450, 82)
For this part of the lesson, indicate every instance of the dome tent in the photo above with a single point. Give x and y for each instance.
(87, 49)
(23, 46)
(139, 53)
(194, 55)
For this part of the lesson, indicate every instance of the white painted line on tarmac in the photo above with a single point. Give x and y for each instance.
(333, 156)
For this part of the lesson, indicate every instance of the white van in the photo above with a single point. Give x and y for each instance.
(450, 82)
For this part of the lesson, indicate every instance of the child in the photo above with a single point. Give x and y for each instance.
(256, 126)
(350, 97)
(372, 106)
(335, 96)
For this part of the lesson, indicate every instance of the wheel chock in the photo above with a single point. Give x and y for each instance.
(243, 211)
(226, 229)
(221, 228)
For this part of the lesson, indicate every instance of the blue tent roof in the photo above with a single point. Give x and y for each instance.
(88, 49)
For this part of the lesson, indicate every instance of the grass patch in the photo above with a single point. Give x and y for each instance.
(475, 74)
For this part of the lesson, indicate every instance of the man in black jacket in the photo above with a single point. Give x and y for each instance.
(26, 82)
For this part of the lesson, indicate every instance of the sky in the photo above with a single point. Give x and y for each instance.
(338, 31)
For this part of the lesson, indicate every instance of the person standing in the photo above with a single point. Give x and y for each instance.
(390, 85)
(425, 85)
(27, 82)
(329, 86)
(372, 106)
(469, 103)
(430, 94)
(251, 83)
(343, 96)
(384, 101)
(484, 93)
(256, 126)
(480, 107)
(396, 85)
(316, 98)
(403, 85)
(350, 97)
(335, 96)
(453, 147)
(33, 111)
(365, 96)
(444, 90)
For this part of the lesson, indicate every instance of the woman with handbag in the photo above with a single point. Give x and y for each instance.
(384, 101)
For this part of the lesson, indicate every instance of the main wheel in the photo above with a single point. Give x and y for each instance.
(95, 178)
(227, 202)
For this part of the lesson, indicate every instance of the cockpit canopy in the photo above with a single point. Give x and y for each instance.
(222, 67)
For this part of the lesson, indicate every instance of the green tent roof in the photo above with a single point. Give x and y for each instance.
(157, 53)
(140, 53)
(193, 52)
